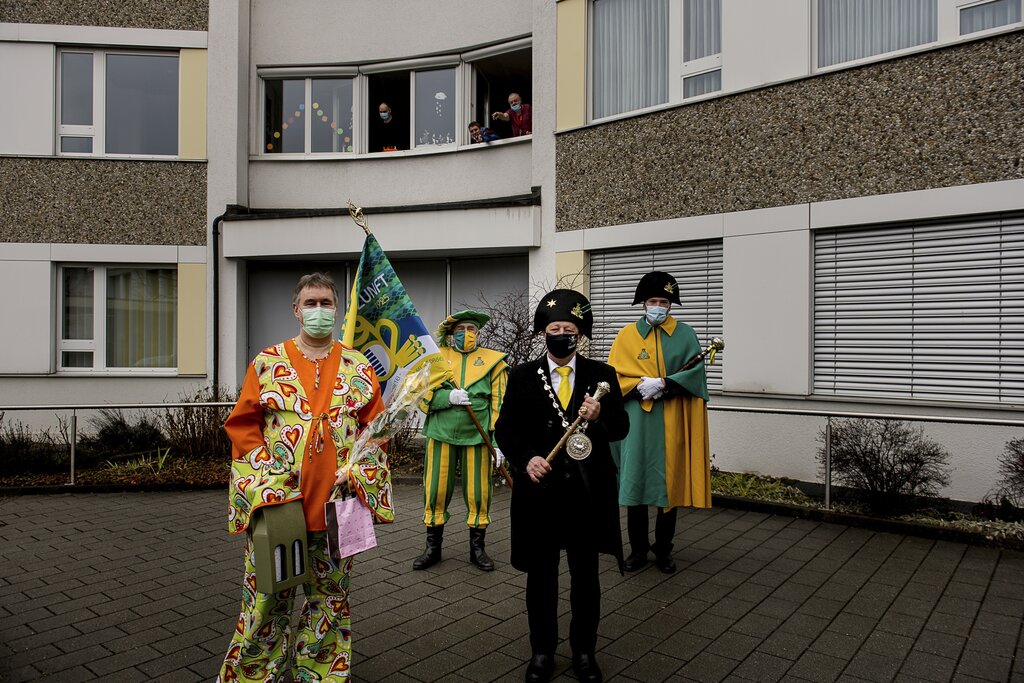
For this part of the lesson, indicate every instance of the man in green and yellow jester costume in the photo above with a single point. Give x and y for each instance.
(664, 461)
(453, 437)
(291, 431)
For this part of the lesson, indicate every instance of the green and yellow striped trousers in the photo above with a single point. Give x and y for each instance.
(439, 482)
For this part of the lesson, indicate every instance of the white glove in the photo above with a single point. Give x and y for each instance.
(459, 397)
(499, 458)
(651, 387)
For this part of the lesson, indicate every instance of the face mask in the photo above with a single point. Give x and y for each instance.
(464, 341)
(560, 345)
(656, 315)
(516, 107)
(384, 115)
(318, 322)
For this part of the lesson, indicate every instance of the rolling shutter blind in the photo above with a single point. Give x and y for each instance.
(697, 267)
(921, 311)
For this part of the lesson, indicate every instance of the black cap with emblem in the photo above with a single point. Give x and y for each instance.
(564, 305)
(657, 284)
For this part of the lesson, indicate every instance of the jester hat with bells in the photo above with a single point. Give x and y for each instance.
(564, 305)
(656, 284)
(445, 328)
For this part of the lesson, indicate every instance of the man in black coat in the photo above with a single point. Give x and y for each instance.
(567, 503)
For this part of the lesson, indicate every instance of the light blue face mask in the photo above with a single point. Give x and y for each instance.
(656, 315)
(318, 322)
(516, 107)
(384, 115)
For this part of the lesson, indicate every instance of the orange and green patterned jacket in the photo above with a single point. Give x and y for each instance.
(290, 437)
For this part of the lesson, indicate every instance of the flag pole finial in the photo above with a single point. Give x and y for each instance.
(356, 213)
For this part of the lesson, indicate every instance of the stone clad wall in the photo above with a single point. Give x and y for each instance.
(100, 201)
(952, 116)
(181, 15)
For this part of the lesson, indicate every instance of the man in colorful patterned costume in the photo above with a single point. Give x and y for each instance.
(566, 503)
(665, 460)
(291, 432)
(480, 375)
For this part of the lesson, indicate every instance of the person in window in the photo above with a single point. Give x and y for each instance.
(519, 115)
(664, 462)
(387, 133)
(291, 430)
(454, 440)
(566, 503)
(478, 134)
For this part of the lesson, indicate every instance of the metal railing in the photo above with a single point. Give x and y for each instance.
(74, 408)
(829, 415)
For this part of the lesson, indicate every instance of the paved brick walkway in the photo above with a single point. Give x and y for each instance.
(144, 587)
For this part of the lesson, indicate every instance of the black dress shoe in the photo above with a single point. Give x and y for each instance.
(540, 668)
(636, 561)
(665, 564)
(586, 669)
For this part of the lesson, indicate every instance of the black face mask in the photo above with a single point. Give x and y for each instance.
(560, 345)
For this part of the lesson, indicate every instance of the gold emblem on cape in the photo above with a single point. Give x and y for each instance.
(478, 361)
(552, 303)
(577, 311)
(670, 287)
(643, 355)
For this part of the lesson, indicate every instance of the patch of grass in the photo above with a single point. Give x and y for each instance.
(757, 487)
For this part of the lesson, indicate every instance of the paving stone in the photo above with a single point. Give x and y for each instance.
(927, 666)
(815, 666)
(985, 666)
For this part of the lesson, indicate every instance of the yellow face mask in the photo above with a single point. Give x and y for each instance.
(464, 340)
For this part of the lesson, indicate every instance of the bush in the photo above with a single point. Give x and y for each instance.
(1010, 490)
(116, 437)
(198, 433)
(24, 452)
(888, 460)
(405, 450)
(510, 329)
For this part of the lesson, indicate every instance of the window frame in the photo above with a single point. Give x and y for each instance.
(960, 5)
(98, 344)
(97, 130)
(678, 69)
(462, 62)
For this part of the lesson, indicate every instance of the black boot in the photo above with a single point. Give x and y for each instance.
(432, 555)
(477, 554)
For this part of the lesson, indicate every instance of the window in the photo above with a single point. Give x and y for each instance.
(928, 311)
(987, 15)
(702, 47)
(494, 78)
(855, 29)
(630, 55)
(307, 114)
(118, 318)
(636, 59)
(697, 267)
(114, 103)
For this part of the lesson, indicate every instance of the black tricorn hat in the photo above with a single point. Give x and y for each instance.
(564, 305)
(656, 284)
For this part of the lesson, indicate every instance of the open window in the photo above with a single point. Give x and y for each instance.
(495, 77)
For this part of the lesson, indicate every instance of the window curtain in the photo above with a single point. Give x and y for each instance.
(142, 329)
(702, 29)
(989, 15)
(854, 29)
(630, 55)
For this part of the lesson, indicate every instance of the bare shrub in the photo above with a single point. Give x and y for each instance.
(198, 433)
(23, 451)
(510, 329)
(888, 460)
(119, 437)
(1010, 490)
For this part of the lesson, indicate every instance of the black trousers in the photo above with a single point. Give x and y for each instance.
(584, 599)
(637, 529)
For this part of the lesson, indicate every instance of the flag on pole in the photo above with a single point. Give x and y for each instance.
(382, 323)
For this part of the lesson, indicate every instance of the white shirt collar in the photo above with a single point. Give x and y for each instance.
(552, 365)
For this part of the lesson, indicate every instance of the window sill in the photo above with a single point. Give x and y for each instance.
(134, 372)
(429, 151)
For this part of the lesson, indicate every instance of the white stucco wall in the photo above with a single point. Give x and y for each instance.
(27, 81)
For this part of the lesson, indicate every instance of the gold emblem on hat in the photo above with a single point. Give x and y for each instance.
(670, 287)
(577, 311)
(552, 303)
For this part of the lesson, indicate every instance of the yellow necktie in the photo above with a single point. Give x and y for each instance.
(564, 388)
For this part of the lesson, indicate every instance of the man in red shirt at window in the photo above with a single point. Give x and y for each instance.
(519, 115)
